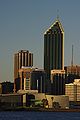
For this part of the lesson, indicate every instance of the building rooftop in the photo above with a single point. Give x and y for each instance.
(56, 21)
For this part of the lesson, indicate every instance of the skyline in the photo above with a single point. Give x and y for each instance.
(22, 26)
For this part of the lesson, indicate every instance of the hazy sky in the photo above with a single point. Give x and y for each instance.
(22, 24)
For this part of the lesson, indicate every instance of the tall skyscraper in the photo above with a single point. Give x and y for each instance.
(54, 58)
(54, 48)
(22, 58)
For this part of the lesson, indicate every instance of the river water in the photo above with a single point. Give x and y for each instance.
(24, 115)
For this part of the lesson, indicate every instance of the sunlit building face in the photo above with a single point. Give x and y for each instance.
(22, 58)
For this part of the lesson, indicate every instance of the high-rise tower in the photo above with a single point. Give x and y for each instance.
(54, 48)
(54, 58)
(22, 58)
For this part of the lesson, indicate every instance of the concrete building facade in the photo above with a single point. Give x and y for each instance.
(72, 72)
(54, 101)
(22, 58)
(32, 79)
(25, 78)
(73, 90)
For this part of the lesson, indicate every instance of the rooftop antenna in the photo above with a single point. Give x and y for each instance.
(72, 56)
(57, 14)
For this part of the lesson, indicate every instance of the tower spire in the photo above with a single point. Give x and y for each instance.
(72, 57)
(57, 14)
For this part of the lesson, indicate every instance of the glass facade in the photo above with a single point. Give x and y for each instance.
(53, 48)
(38, 81)
(58, 82)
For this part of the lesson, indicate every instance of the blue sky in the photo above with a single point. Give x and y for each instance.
(23, 23)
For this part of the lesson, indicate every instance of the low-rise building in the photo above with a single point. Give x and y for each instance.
(7, 87)
(11, 100)
(0, 88)
(70, 90)
(32, 79)
(33, 99)
(73, 90)
(49, 101)
(72, 72)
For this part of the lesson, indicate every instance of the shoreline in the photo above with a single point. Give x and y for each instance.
(40, 110)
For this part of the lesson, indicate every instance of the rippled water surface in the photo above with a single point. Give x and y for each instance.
(23, 115)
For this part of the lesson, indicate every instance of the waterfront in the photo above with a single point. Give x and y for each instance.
(24, 115)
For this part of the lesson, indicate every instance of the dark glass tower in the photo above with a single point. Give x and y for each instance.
(54, 48)
(38, 78)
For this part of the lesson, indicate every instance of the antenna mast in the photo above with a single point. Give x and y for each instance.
(72, 57)
(57, 14)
